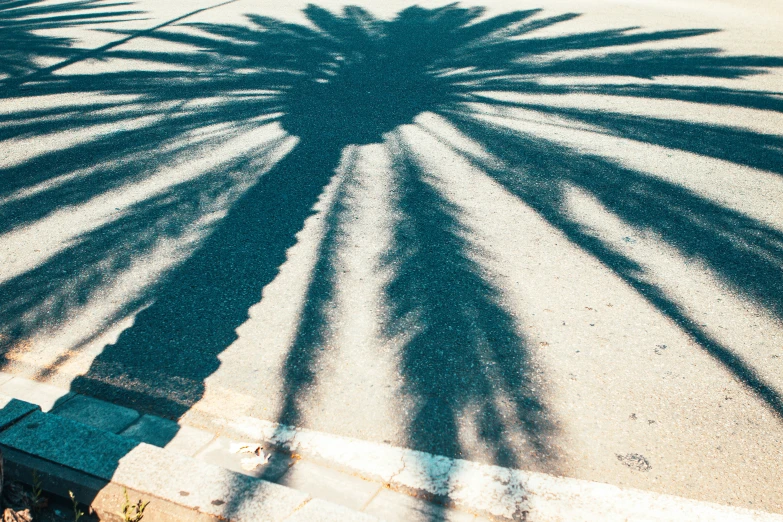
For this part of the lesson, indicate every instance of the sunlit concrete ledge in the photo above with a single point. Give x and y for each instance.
(493, 491)
(380, 480)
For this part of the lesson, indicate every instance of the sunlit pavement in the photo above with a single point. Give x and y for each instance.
(547, 242)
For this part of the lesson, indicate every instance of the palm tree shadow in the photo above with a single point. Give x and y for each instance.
(351, 79)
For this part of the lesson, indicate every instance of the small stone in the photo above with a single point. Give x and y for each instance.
(635, 461)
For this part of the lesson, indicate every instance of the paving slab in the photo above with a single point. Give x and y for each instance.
(209, 489)
(12, 410)
(69, 443)
(97, 413)
(331, 485)
(398, 507)
(160, 432)
(323, 511)
(71, 455)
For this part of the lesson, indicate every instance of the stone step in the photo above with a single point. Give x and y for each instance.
(132, 434)
(100, 467)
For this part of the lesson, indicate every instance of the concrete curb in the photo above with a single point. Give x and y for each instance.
(196, 477)
(99, 466)
(492, 491)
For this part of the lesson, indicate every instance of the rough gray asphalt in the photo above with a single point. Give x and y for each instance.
(580, 273)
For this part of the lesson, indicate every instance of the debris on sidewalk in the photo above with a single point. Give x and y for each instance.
(257, 459)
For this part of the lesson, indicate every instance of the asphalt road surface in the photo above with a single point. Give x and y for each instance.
(549, 239)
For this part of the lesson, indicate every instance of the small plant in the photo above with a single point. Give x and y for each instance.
(77, 513)
(37, 500)
(132, 512)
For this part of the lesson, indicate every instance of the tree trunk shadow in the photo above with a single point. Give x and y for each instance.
(160, 363)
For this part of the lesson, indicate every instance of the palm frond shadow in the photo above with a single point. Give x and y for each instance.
(464, 351)
(746, 253)
(22, 45)
(352, 79)
(743, 147)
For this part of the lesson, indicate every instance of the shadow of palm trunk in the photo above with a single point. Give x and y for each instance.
(160, 363)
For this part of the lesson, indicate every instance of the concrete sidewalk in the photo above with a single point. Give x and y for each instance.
(556, 248)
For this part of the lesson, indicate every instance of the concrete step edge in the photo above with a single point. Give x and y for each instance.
(100, 467)
(492, 491)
